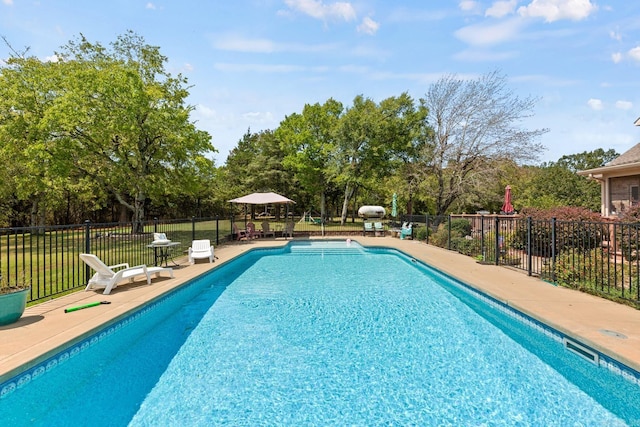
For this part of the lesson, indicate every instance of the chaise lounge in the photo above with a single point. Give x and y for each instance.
(108, 276)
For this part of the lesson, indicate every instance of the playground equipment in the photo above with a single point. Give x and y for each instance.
(306, 217)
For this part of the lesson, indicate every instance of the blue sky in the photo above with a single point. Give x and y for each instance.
(252, 62)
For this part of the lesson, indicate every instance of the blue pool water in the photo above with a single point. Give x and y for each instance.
(320, 336)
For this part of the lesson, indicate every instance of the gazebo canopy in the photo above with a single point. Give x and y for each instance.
(262, 199)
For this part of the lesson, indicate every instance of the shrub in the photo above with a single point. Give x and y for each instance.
(460, 227)
(440, 237)
(420, 233)
(591, 271)
(577, 228)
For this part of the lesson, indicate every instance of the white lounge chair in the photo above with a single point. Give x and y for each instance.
(200, 249)
(108, 276)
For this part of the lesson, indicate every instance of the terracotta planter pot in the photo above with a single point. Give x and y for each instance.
(12, 306)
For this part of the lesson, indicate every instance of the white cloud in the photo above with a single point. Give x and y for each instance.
(615, 35)
(595, 104)
(634, 53)
(258, 117)
(368, 26)
(52, 58)
(260, 68)
(555, 10)
(483, 55)
(488, 34)
(8, 2)
(624, 105)
(469, 6)
(501, 8)
(319, 10)
(240, 44)
(151, 6)
(616, 57)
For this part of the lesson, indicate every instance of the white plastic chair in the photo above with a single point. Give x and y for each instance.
(201, 249)
(108, 276)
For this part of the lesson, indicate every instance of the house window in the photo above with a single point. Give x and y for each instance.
(634, 196)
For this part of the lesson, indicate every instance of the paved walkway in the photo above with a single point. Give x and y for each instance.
(44, 328)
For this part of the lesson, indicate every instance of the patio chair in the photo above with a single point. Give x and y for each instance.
(108, 276)
(201, 249)
(406, 231)
(368, 228)
(252, 233)
(288, 229)
(240, 234)
(379, 228)
(266, 230)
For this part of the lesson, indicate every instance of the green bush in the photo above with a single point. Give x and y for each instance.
(440, 237)
(460, 227)
(584, 270)
(420, 233)
(466, 245)
(576, 228)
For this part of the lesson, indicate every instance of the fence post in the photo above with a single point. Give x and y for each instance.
(193, 228)
(529, 258)
(87, 247)
(497, 246)
(449, 234)
(482, 248)
(553, 249)
(427, 225)
(155, 225)
(218, 230)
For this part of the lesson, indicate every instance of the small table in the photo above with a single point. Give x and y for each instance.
(164, 251)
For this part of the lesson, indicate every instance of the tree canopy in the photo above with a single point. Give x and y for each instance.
(108, 126)
(109, 119)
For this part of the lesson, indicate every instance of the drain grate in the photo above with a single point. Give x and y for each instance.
(611, 333)
(581, 350)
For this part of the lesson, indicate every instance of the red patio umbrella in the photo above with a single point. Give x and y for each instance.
(507, 207)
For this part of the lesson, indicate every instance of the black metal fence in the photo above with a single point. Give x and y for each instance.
(47, 258)
(602, 258)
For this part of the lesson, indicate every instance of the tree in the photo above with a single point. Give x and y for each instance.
(122, 121)
(371, 138)
(35, 172)
(256, 164)
(556, 184)
(308, 141)
(475, 123)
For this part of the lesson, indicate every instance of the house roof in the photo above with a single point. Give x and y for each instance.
(625, 162)
(632, 155)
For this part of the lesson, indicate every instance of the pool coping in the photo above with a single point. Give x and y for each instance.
(45, 330)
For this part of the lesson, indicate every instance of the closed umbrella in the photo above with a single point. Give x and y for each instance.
(394, 205)
(507, 207)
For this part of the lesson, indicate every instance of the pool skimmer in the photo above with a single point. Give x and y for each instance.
(581, 350)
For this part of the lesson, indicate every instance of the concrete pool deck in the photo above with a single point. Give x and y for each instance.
(611, 328)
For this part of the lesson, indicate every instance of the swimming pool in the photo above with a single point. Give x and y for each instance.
(322, 335)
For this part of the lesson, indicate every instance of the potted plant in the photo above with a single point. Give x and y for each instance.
(13, 299)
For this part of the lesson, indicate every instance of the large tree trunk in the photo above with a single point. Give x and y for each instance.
(138, 213)
(348, 193)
